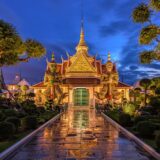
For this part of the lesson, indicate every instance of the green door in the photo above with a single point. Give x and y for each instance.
(81, 97)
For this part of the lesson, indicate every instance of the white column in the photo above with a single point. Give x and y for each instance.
(71, 97)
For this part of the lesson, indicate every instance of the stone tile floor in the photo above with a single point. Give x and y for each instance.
(80, 135)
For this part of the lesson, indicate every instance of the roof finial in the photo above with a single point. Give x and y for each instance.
(67, 54)
(82, 44)
(82, 17)
(46, 59)
(61, 58)
(52, 57)
(109, 56)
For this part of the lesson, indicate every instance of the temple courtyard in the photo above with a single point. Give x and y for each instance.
(79, 80)
(80, 134)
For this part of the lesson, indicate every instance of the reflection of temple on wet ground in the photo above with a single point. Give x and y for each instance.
(80, 135)
(86, 131)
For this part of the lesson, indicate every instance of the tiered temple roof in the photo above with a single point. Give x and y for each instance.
(81, 68)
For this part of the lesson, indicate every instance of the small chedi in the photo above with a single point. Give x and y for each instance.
(81, 80)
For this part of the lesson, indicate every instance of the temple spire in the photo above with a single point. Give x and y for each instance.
(82, 44)
(52, 57)
(82, 17)
(82, 39)
(109, 56)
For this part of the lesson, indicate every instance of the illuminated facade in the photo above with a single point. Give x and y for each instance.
(81, 80)
(18, 82)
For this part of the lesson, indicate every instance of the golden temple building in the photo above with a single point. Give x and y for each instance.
(81, 80)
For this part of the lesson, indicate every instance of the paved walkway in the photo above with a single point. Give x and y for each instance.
(80, 135)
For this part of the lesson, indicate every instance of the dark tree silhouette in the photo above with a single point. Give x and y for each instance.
(13, 49)
(149, 34)
(145, 84)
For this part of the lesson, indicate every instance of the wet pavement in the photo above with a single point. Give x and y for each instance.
(80, 135)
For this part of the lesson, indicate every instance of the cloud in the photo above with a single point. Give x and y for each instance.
(124, 9)
(109, 5)
(133, 67)
(115, 27)
(155, 65)
(108, 25)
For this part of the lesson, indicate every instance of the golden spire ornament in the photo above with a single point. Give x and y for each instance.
(82, 44)
(109, 56)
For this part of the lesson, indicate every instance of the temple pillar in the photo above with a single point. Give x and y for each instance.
(70, 104)
(91, 97)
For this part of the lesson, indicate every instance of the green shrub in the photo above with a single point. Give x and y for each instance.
(29, 107)
(29, 122)
(49, 104)
(155, 120)
(10, 113)
(6, 129)
(145, 129)
(40, 110)
(148, 110)
(47, 115)
(157, 140)
(157, 91)
(158, 115)
(21, 114)
(41, 120)
(139, 119)
(57, 109)
(114, 114)
(129, 108)
(2, 116)
(14, 120)
(4, 106)
(125, 119)
(156, 126)
(155, 103)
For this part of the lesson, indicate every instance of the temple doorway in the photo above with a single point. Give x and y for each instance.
(81, 97)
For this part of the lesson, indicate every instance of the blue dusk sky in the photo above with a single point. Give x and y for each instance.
(56, 24)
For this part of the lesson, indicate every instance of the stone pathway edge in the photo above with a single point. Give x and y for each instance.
(6, 153)
(132, 137)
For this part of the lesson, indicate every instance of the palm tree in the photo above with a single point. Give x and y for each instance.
(153, 88)
(156, 81)
(145, 84)
(157, 91)
(136, 93)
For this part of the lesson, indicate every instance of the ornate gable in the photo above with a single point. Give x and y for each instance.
(81, 64)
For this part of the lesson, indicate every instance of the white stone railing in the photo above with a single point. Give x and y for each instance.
(8, 152)
(132, 137)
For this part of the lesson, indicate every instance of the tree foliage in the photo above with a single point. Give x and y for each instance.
(157, 91)
(12, 47)
(155, 4)
(145, 84)
(147, 57)
(156, 81)
(150, 33)
(34, 48)
(141, 13)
